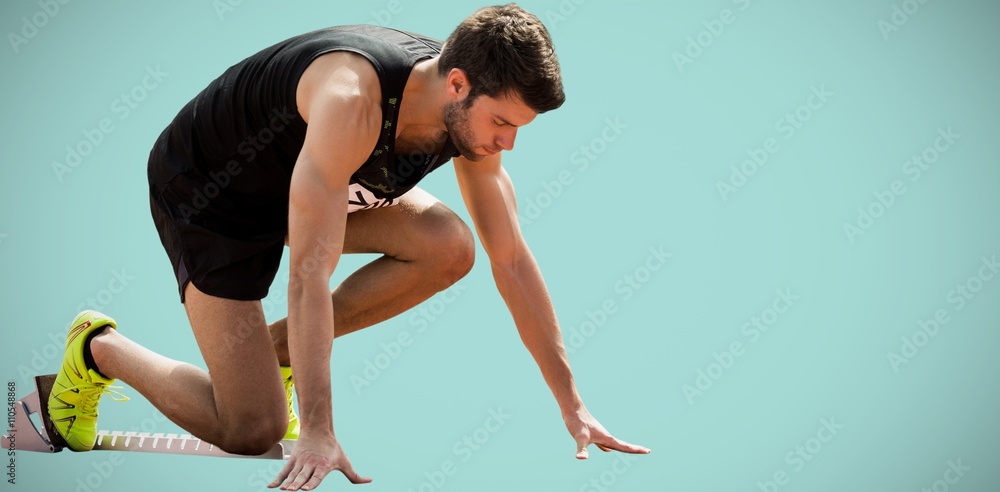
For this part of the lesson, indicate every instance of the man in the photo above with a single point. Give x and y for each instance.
(317, 143)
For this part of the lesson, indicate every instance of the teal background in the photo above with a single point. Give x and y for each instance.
(654, 185)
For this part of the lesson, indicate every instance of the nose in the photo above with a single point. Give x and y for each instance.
(505, 140)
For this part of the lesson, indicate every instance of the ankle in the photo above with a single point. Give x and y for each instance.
(284, 359)
(97, 351)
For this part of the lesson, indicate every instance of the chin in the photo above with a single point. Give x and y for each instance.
(472, 156)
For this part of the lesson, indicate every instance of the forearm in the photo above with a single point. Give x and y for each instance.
(523, 289)
(310, 342)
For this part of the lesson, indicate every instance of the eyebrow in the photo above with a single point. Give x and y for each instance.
(501, 118)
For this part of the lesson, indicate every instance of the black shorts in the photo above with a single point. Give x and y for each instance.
(213, 238)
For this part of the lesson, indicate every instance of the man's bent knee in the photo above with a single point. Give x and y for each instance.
(455, 253)
(254, 430)
(253, 437)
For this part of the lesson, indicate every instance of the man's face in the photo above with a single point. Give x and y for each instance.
(486, 126)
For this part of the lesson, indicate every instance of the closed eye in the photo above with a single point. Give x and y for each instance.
(499, 121)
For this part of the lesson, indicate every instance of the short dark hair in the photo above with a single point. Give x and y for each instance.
(505, 49)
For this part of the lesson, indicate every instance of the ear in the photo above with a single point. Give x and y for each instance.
(457, 84)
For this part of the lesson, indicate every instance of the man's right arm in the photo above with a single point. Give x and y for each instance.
(344, 118)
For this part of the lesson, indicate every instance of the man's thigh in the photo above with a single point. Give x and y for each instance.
(238, 350)
(417, 226)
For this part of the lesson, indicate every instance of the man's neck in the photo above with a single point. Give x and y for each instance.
(421, 113)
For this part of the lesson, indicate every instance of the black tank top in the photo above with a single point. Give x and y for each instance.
(243, 132)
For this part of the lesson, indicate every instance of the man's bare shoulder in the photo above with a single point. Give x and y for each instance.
(341, 74)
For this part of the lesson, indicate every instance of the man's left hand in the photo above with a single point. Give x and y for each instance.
(587, 430)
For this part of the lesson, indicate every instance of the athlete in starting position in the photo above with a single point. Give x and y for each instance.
(317, 143)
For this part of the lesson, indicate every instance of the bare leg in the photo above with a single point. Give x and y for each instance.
(244, 387)
(426, 248)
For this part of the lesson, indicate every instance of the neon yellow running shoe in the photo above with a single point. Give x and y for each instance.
(293, 419)
(77, 389)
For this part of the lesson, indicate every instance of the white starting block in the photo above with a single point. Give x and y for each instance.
(26, 436)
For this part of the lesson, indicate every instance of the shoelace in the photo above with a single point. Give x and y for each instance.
(288, 393)
(90, 394)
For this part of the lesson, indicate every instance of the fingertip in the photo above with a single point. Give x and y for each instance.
(359, 479)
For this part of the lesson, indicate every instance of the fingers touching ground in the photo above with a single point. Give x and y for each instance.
(618, 445)
(605, 443)
(298, 476)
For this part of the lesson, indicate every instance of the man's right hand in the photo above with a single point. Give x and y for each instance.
(311, 461)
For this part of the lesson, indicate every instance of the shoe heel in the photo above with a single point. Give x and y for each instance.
(44, 385)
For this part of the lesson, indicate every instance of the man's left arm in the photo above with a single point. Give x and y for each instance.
(489, 196)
